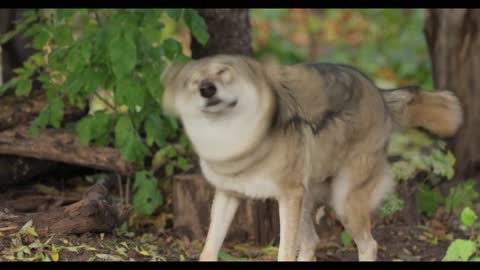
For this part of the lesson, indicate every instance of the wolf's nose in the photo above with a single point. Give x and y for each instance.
(207, 89)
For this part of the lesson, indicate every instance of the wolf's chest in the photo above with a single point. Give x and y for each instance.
(259, 185)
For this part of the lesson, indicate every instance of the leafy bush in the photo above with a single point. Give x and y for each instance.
(419, 156)
(461, 249)
(115, 57)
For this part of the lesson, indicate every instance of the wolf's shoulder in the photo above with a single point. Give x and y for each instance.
(337, 69)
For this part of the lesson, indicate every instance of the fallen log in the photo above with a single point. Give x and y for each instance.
(93, 213)
(61, 146)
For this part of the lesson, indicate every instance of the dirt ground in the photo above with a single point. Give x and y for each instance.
(396, 243)
(150, 241)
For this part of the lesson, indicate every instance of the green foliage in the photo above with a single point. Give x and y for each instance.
(346, 239)
(225, 257)
(420, 153)
(461, 195)
(460, 250)
(277, 44)
(113, 59)
(391, 39)
(147, 196)
(468, 217)
(391, 205)
(428, 199)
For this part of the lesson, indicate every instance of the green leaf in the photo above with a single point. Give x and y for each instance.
(169, 169)
(65, 13)
(174, 13)
(52, 114)
(56, 111)
(346, 239)
(63, 35)
(460, 250)
(95, 127)
(32, 232)
(225, 257)
(147, 197)
(468, 216)
(130, 93)
(24, 86)
(155, 130)
(54, 253)
(392, 204)
(10, 84)
(128, 142)
(40, 39)
(123, 55)
(172, 48)
(460, 196)
(197, 25)
(428, 200)
(182, 163)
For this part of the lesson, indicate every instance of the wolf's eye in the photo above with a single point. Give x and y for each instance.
(221, 71)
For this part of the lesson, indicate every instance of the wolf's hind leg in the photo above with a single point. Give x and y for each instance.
(353, 202)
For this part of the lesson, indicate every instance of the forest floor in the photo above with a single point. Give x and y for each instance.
(149, 241)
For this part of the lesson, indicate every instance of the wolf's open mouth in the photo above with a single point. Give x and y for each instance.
(231, 105)
(211, 106)
(213, 102)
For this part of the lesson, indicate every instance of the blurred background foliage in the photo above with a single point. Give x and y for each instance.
(386, 44)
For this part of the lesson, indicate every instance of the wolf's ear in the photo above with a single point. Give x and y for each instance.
(170, 85)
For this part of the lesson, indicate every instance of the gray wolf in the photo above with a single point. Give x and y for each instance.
(301, 134)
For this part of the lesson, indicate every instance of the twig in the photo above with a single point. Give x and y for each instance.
(119, 179)
(127, 191)
(9, 228)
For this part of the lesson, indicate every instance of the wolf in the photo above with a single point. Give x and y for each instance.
(301, 134)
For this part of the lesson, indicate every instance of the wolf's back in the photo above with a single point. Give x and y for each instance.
(439, 112)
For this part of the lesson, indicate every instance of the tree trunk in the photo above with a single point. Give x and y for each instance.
(229, 31)
(454, 41)
(15, 51)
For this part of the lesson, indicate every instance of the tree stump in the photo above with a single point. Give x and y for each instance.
(192, 199)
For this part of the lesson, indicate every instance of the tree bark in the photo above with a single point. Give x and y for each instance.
(255, 220)
(453, 38)
(61, 146)
(94, 213)
(15, 51)
(229, 31)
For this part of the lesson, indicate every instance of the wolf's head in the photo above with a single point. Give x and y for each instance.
(209, 87)
(223, 101)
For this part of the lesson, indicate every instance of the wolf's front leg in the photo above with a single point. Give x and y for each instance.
(223, 210)
(290, 208)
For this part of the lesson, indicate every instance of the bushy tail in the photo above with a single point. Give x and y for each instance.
(439, 112)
